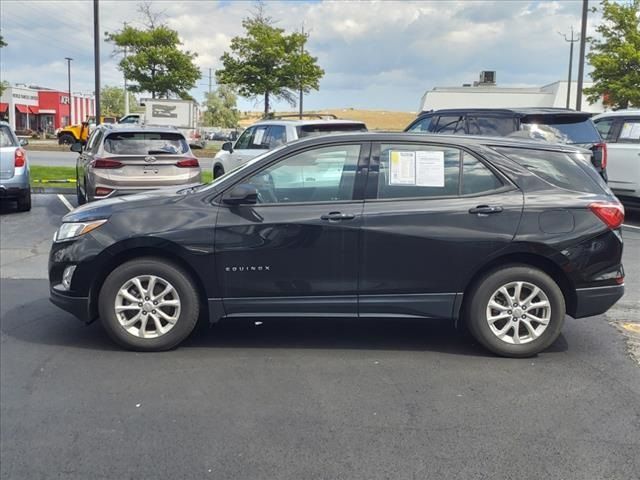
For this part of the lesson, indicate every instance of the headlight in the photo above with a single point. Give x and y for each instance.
(68, 231)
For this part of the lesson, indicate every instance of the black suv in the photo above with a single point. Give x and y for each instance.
(507, 236)
(555, 125)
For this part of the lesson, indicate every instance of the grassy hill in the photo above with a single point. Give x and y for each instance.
(375, 119)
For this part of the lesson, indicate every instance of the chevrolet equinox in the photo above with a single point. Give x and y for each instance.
(506, 236)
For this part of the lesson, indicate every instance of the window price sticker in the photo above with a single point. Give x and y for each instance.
(424, 168)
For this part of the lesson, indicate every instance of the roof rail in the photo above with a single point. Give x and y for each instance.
(320, 116)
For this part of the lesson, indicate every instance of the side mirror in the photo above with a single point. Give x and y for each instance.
(243, 194)
(76, 147)
(227, 147)
(24, 142)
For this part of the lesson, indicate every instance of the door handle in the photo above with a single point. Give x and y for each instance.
(337, 216)
(486, 209)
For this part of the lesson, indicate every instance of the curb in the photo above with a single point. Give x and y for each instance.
(43, 190)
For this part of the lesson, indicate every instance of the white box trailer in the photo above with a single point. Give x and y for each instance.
(181, 114)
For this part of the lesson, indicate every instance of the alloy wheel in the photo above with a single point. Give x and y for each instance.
(147, 306)
(518, 312)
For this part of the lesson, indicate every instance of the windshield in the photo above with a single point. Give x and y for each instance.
(146, 143)
(561, 129)
(314, 130)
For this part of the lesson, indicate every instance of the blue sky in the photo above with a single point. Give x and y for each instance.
(376, 54)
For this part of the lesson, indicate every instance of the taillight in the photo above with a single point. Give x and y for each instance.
(102, 191)
(19, 158)
(612, 214)
(188, 163)
(603, 150)
(106, 163)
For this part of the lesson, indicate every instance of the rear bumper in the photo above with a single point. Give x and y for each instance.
(596, 300)
(15, 186)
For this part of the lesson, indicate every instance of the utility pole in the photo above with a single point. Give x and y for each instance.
(69, 60)
(571, 41)
(583, 41)
(126, 92)
(301, 104)
(96, 55)
(210, 81)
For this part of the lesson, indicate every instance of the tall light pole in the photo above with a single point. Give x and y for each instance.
(69, 60)
(96, 55)
(126, 93)
(583, 42)
(571, 41)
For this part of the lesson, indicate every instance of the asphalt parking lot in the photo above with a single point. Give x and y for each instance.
(323, 399)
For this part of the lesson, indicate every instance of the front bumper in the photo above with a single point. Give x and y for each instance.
(596, 300)
(77, 306)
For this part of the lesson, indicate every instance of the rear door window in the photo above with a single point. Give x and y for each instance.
(314, 130)
(477, 177)
(561, 128)
(490, 126)
(146, 143)
(450, 124)
(557, 168)
(605, 128)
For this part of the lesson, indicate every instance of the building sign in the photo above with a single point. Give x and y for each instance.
(64, 100)
(28, 97)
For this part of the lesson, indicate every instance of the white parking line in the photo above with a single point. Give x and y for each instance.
(630, 226)
(65, 202)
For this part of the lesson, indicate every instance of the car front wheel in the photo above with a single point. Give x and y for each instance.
(148, 305)
(516, 311)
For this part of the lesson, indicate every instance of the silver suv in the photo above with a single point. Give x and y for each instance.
(621, 131)
(124, 159)
(14, 168)
(269, 134)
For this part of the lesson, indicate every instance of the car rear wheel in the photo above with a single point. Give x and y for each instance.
(24, 201)
(516, 311)
(148, 305)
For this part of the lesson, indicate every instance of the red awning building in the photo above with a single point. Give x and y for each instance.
(43, 110)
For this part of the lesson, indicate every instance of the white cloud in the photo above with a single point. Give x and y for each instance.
(376, 54)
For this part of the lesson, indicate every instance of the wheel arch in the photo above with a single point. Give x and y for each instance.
(124, 255)
(543, 263)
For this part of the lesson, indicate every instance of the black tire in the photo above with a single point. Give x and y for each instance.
(178, 278)
(24, 201)
(66, 139)
(475, 311)
(218, 171)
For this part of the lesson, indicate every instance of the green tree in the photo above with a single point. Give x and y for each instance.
(112, 101)
(267, 62)
(3, 85)
(221, 108)
(615, 56)
(155, 63)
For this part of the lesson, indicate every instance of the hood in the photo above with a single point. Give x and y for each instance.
(107, 207)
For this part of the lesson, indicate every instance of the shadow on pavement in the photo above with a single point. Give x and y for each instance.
(40, 322)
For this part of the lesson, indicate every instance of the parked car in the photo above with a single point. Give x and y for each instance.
(123, 159)
(268, 134)
(506, 236)
(14, 169)
(621, 131)
(555, 125)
